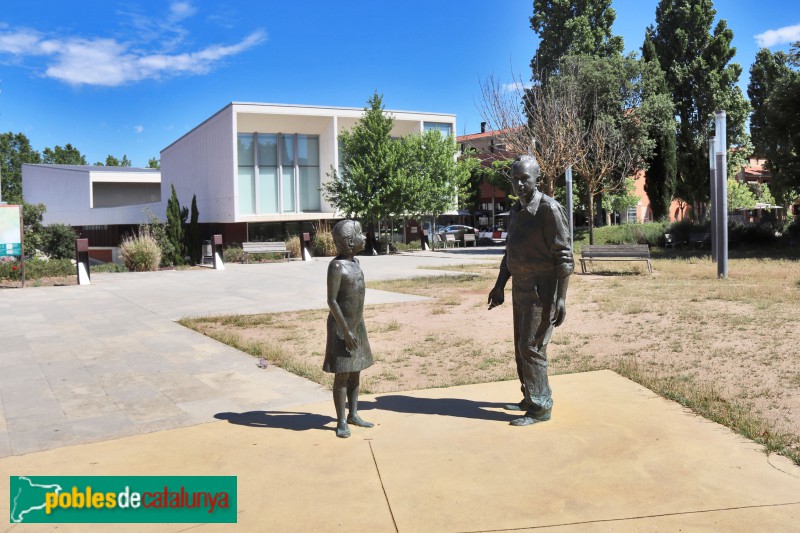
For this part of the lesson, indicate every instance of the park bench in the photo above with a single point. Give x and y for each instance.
(450, 239)
(264, 248)
(700, 240)
(615, 252)
(469, 237)
(672, 240)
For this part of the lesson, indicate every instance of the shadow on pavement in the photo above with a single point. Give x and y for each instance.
(278, 420)
(439, 406)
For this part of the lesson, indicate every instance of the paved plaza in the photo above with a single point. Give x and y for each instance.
(100, 380)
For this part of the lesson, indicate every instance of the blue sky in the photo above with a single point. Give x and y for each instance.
(131, 77)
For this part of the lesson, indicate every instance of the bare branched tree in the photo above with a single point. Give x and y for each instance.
(542, 121)
(554, 116)
(606, 161)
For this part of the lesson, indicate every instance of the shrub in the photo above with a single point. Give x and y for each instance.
(651, 233)
(294, 247)
(233, 254)
(59, 241)
(322, 245)
(109, 267)
(158, 230)
(36, 269)
(140, 253)
(407, 247)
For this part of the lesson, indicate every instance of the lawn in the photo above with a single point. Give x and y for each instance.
(725, 348)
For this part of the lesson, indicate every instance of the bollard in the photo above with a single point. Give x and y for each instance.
(305, 246)
(82, 261)
(218, 264)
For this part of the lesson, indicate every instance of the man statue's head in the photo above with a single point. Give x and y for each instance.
(524, 177)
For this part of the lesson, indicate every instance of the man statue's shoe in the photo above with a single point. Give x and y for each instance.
(521, 406)
(532, 417)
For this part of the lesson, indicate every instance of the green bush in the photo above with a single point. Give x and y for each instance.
(407, 247)
(233, 254)
(322, 245)
(140, 253)
(651, 233)
(293, 246)
(36, 269)
(59, 241)
(109, 267)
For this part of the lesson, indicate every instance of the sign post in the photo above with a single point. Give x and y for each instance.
(11, 235)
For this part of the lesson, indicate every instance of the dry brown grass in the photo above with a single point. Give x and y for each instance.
(725, 348)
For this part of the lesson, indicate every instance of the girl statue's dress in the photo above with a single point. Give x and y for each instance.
(351, 301)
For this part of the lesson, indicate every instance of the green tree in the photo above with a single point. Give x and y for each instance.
(696, 62)
(739, 196)
(572, 27)
(59, 241)
(153, 162)
(68, 155)
(15, 150)
(193, 234)
(174, 229)
(774, 90)
(661, 176)
(366, 186)
(112, 161)
(33, 229)
(429, 178)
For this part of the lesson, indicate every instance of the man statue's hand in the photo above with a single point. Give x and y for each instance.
(561, 312)
(496, 297)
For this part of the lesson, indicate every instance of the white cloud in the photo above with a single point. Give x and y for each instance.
(517, 86)
(107, 62)
(181, 10)
(770, 38)
(138, 129)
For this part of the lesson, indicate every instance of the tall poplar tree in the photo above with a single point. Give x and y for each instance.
(701, 78)
(175, 228)
(660, 179)
(572, 27)
(774, 90)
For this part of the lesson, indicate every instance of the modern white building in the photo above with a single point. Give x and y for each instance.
(257, 168)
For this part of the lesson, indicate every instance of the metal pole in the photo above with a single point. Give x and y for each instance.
(712, 163)
(722, 194)
(568, 176)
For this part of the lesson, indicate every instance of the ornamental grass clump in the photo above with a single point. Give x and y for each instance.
(140, 253)
(323, 245)
(294, 247)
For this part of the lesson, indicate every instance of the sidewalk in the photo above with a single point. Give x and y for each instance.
(615, 457)
(82, 364)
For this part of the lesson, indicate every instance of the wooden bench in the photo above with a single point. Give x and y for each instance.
(264, 248)
(470, 237)
(615, 252)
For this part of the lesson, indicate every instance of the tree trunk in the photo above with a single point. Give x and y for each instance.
(591, 219)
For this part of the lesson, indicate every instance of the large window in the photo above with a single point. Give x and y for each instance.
(247, 187)
(278, 173)
(441, 127)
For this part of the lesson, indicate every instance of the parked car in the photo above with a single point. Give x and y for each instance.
(456, 229)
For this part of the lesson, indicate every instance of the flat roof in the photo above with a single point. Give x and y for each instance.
(93, 168)
(302, 106)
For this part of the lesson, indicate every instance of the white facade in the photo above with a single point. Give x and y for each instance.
(254, 162)
(79, 195)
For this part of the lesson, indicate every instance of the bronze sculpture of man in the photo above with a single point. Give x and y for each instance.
(539, 257)
(347, 351)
